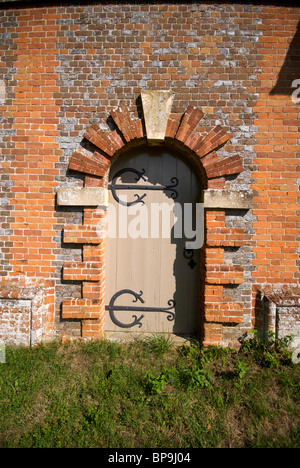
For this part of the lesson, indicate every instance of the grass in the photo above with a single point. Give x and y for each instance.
(148, 394)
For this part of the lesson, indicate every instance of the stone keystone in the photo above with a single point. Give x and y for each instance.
(157, 107)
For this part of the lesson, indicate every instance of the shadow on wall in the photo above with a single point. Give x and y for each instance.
(290, 70)
(259, 315)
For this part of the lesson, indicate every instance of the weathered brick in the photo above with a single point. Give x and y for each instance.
(95, 165)
(122, 119)
(84, 234)
(81, 309)
(190, 120)
(99, 139)
(214, 139)
(81, 271)
(225, 237)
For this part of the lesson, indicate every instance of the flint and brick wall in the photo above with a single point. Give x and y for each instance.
(64, 73)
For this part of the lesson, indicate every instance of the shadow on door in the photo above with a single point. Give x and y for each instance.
(162, 269)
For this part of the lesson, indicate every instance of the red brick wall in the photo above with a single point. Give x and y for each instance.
(67, 67)
(276, 167)
(31, 153)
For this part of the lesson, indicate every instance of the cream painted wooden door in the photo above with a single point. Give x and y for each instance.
(152, 282)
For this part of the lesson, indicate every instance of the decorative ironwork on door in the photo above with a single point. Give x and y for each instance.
(140, 175)
(112, 308)
(188, 254)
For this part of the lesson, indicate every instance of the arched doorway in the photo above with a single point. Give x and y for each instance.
(156, 131)
(152, 280)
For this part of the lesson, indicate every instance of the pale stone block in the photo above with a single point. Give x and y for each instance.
(2, 91)
(156, 107)
(15, 318)
(227, 199)
(88, 196)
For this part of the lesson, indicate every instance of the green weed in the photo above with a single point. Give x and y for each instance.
(155, 385)
(193, 376)
(241, 369)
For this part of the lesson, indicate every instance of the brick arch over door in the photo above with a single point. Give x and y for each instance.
(181, 133)
(202, 150)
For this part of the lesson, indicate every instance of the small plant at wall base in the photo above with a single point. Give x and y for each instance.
(196, 376)
(269, 352)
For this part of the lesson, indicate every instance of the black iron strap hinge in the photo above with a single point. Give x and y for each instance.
(112, 308)
(140, 175)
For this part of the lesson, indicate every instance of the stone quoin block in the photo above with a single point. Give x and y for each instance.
(88, 196)
(227, 199)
